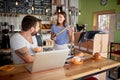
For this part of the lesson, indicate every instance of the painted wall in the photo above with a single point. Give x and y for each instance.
(87, 8)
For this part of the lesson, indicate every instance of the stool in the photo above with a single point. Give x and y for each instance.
(91, 78)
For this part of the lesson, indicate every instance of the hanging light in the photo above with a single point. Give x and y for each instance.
(16, 3)
(59, 10)
(46, 10)
(79, 12)
(32, 7)
(70, 12)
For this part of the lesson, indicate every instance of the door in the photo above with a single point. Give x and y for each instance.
(105, 22)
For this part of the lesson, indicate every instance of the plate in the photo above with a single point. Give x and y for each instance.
(7, 68)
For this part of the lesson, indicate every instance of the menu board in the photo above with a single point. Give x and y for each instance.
(2, 6)
(25, 6)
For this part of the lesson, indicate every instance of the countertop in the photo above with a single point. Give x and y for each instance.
(68, 72)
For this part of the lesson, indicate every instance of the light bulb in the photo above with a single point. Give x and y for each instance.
(59, 10)
(32, 8)
(16, 3)
(70, 12)
(46, 10)
(79, 13)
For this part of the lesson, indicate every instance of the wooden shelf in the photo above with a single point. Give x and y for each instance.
(45, 30)
(46, 22)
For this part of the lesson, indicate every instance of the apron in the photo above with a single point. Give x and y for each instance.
(60, 47)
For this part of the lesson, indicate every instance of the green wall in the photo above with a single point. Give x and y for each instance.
(88, 7)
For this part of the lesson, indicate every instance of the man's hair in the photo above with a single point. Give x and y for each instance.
(28, 22)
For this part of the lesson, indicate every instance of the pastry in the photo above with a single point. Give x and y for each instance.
(80, 54)
(7, 68)
(76, 60)
(97, 56)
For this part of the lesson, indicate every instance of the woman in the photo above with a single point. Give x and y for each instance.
(61, 40)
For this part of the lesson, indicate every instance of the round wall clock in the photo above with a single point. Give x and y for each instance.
(103, 2)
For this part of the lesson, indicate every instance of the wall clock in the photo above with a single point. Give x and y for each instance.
(103, 2)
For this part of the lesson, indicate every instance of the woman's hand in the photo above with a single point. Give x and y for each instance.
(53, 36)
(71, 30)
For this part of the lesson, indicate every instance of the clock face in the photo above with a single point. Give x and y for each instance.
(103, 2)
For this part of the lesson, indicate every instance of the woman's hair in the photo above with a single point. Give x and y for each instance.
(65, 16)
(28, 22)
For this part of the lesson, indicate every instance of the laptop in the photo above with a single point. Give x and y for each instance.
(48, 60)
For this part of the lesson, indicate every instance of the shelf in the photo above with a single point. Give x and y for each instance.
(46, 26)
(45, 30)
(46, 22)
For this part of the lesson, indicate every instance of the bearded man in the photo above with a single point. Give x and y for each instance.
(23, 43)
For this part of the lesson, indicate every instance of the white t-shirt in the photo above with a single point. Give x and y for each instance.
(17, 41)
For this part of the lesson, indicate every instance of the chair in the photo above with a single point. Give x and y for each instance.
(76, 44)
(84, 40)
(91, 78)
(115, 55)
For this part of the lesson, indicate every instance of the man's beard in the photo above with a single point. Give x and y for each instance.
(33, 33)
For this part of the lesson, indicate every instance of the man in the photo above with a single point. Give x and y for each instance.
(23, 43)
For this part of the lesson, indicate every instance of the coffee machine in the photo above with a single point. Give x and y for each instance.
(5, 36)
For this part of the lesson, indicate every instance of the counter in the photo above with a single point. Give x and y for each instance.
(68, 72)
(5, 57)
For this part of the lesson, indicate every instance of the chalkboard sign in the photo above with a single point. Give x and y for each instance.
(42, 7)
(25, 6)
(2, 6)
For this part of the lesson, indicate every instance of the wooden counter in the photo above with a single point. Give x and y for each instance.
(68, 72)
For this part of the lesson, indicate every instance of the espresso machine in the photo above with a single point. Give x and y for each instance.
(5, 36)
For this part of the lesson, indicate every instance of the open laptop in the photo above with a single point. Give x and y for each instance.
(48, 60)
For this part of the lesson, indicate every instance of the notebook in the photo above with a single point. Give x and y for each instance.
(48, 60)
